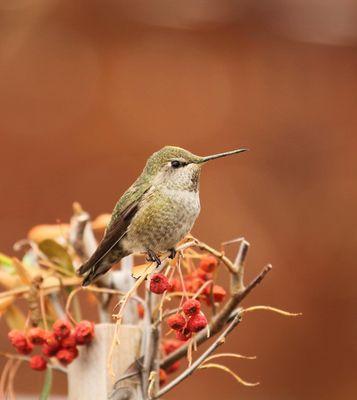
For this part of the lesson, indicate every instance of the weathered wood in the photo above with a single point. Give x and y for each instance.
(88, 375)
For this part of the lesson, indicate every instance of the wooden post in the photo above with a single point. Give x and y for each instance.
(88, 375)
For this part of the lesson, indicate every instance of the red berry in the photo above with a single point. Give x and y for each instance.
(51, 345)
(38, 363)
(52, 340)
(194, 284)
(27, 349)
(37, 335)
(183, 335)
(61, 328)
(176, 322)
(173, 367)
(175, 285)
(218, 293)
(159, 283)
(20, 342)
(171, 345)
(49, 351)
(208, 263)
(141, 310)
(197, 322)
(191, 307)
(66, 356)
(205, 276)
(17, 338)
(162, 377)
(69, 342)
(84, 332)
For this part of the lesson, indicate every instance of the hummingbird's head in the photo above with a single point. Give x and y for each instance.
(177, 168)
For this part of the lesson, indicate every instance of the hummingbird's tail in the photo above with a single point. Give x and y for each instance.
(92, 273)
(93, 269)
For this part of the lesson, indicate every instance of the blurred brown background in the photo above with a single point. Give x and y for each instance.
(89, 89)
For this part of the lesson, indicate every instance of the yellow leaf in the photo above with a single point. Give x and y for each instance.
(22, 272)
(41, 232)
(5, 303)
(14, 318)
(9, 281)
(56, 253)
(139, 270)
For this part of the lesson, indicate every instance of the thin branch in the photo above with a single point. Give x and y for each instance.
(226, 261)
(219, 321)
(218, 342)
(79, 221)
(46, 288)
(237, 283)
(11, 356)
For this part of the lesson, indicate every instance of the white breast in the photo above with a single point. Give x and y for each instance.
(189, 200)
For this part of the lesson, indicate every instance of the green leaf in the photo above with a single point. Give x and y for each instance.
(47, 385)
(56, 253)
(6, 264)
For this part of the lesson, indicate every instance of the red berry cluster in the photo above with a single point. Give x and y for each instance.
(204, 273)
(61, 342)
(191, 321)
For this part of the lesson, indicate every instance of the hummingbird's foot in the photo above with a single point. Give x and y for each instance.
(172, 253)
(152, 257)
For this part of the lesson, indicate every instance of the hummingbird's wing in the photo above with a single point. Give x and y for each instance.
(122, 216)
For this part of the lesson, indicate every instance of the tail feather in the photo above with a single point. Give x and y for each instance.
(96, 272)
(84, 268)
(93, 270)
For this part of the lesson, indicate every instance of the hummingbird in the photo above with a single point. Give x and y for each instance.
(155, 213)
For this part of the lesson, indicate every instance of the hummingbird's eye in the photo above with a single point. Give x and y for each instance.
(175, 164)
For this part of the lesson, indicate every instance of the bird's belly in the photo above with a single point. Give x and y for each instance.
(163, 221)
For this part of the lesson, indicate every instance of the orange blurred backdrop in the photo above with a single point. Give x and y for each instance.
(89, 89)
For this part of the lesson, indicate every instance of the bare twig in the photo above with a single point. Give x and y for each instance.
(185, 374)
(237, 283)
(226, 261)
(11, 356)
(219, 321)
(24, 290)
(81, 235)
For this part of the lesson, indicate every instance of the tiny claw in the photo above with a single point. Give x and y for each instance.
(172, 253)
(152, 257)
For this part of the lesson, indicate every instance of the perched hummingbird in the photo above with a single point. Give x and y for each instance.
(155, 213)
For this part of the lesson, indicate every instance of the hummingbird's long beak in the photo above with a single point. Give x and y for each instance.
(225, 154)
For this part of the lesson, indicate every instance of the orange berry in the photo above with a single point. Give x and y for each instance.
(176, 322)
(208, 263)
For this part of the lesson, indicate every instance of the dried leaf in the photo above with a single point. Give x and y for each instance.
(9, 281)
(14, 318)
(226, 369)
(22, 272)
(42, 232)
(139, 270)
(5, 303)
(56, 253)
